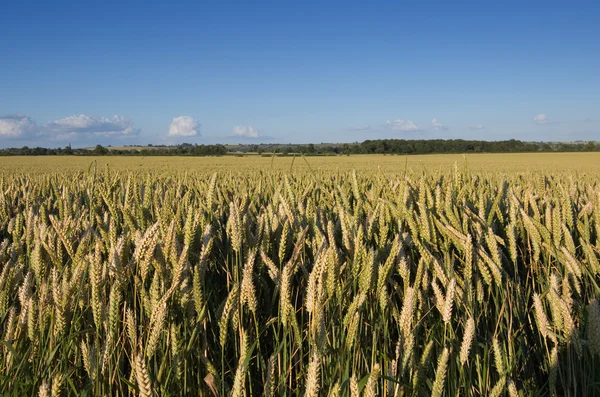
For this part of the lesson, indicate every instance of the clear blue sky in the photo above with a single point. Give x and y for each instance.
(128, 73)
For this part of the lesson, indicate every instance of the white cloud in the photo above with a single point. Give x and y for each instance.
(477, 127)
(246, 131)
(184, 126)
(90, 126)
(17, 126)
(402, 125)
(438, 126)
(541, 119)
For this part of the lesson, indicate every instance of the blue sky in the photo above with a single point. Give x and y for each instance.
(136, 73)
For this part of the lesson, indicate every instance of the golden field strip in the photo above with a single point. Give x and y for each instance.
(510, 162)
(334, 276)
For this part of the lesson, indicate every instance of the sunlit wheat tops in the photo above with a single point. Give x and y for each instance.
(300, 281)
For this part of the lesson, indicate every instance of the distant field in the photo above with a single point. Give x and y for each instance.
(522, 163)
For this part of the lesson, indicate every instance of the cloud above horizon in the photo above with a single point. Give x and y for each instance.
(542, 119)
(438, 126)
(403, 125)
(82, 125)
(184, 126)
(246, 131)
(17, 126)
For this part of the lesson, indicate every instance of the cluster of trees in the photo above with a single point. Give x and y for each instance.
(291, 148)
(192, 150)
(179, 150)
(37, 151)
(402, 146)
(381, 146)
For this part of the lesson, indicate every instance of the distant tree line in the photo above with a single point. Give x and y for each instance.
(401, 146)
(179, 150)
(381, 146)
(423, 146)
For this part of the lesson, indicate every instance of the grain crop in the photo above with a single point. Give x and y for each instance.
(332, 277)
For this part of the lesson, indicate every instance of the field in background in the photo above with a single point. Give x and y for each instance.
(521, 163)
(335, 276)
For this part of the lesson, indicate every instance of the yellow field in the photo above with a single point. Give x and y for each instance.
(507, 163)
(335, 276)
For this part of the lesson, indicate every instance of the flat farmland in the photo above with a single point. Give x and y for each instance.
(350, 275)
(395, 164)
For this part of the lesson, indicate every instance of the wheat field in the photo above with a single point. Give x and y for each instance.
(342, 276)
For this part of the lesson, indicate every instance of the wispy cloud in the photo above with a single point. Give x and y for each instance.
(82, 126)
(403, 125)
(246, 131)
(17, 126)
(477, 127)
(542, 119)
(184, 126)
(438, 126)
